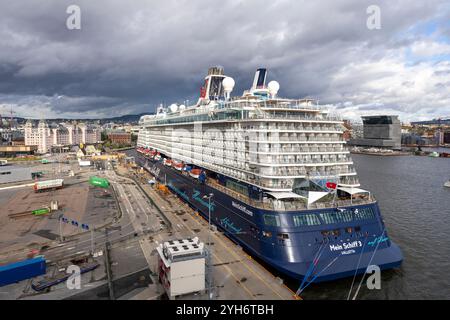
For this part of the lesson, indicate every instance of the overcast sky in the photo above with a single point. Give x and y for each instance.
(130, 56)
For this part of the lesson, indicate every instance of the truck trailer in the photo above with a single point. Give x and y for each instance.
(41, 186)
(99, 182)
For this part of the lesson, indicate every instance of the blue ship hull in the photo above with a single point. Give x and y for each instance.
(300, 252)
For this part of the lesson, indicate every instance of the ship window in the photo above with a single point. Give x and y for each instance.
(306, 220)
(364, 214)
(283, 236)
(336, 217)
(267, 234)
(335, 233)
(271, 220)
(237, 187)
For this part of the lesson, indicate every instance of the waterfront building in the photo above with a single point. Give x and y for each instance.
(46, 136)
(380, 132)
(120, 137)
(447, 137)
(17, 150)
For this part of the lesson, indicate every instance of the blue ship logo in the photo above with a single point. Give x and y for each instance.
(377, 240)
(196, 196)
(178, 191)
(228, 224)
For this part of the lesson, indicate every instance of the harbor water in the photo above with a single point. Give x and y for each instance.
(416, 210)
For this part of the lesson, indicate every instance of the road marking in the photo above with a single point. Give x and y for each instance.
(252, 270)
(18, 186)
(250, 293)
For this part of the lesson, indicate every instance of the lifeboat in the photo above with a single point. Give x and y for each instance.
(157, 156)
(195, 173)
(178, 165)
(168, 162)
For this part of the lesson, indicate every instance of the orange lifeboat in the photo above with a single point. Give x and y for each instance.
(195, 173)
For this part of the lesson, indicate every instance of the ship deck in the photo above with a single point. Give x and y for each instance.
(288, 206)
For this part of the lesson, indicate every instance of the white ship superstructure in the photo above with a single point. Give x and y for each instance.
(259, 139)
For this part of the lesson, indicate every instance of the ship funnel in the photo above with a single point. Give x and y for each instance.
(259, 81)
(228, 85)
(273, 86)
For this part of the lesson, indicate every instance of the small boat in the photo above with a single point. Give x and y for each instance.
(195, 173)
(447, 184)
(167, 162)
(434, 154)
(178, 165)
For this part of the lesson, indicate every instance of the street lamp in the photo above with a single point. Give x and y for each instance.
(209, 244)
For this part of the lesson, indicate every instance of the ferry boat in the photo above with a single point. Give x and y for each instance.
(274, 174)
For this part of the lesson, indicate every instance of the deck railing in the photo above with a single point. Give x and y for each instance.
(294, 205)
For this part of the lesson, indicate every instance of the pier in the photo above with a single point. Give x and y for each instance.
(236, 275)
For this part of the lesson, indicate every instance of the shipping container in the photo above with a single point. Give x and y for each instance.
(41, 211)
(84, 163)
(48, 185)
(99, 182)
(22, 270)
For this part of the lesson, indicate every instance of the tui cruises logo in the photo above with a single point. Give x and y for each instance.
(377, 240)
(229, 225)
(242, 208)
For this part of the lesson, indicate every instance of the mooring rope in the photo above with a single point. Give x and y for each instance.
(312, 265)
(317, 275)
(370, 263)
(357, 267)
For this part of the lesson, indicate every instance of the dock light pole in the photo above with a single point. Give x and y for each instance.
(209, 245)
(92, 242)
(60, 230)
(61, 236)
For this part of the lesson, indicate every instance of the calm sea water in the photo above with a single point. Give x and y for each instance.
(416, 210)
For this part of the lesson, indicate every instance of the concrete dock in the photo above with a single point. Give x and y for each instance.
(128, 226)
(235, 274)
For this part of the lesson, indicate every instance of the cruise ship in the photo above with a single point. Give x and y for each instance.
(273, 174)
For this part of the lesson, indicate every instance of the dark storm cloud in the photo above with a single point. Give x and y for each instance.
(132, 55)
